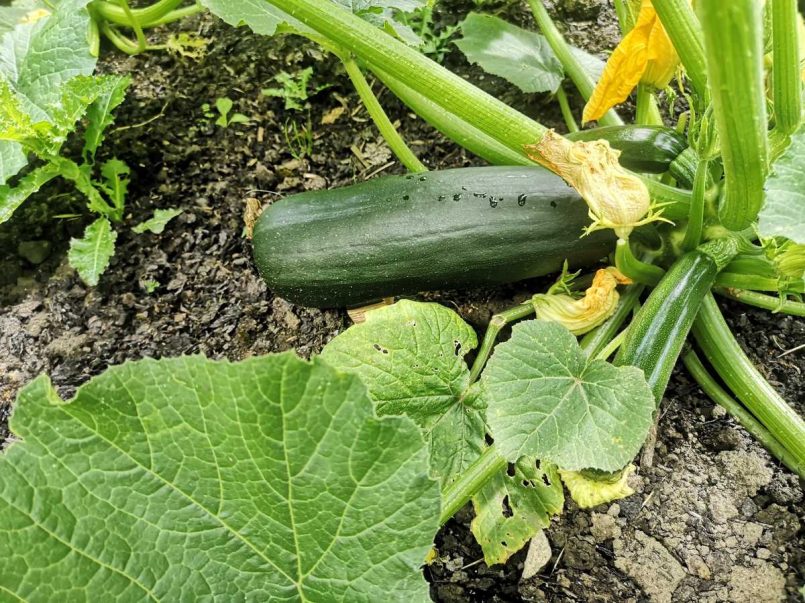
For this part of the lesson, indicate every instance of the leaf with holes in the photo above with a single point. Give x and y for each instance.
(545, 398)
(411, 357)
(189, 479)
(514, 506)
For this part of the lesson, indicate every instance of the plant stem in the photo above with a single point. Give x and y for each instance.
(787, 82)
(177, 15)
(143, 16)
(498, 321)
(718, 395)
(567, 114)
(382, 121)
(767, 302)
(142, 43)
(458, 493)
(458, 130)
(635, 269)
(612, 346)
(753, 282)
(693, 233)
(121, 42)
(645, 103)
(384, 52)
(595, 341)
(683, 28)
(574, 69)
(737, 371)
(733, 34)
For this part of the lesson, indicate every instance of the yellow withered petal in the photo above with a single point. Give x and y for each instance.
(590, 493)
(582, 315)
(616, 198)
(645, 54)
(34, 16)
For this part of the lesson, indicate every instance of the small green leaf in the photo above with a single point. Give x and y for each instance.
(116, 183)
(511, 509)
(100, 114)
(12, 197)
(546, 399)
(411, 357)
(783, 213)
(521, 57)
(188, 479)
(91, 254)
(158, 222)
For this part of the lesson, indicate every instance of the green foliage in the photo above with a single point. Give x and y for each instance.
(90, 255)
(411, 358)
(224, 107)
(783, 212)
(546, 399)
(158, 223)
(191, 479)
(514, 506)
(294, 89)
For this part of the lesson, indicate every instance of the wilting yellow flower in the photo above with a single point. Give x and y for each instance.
(616, 198)
(590, 493)
(582, 315)
(645, 54)
(35, 15)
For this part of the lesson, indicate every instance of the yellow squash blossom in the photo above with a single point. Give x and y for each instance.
(645, 55)
(590, 493)
(582, 315)
(616, 198)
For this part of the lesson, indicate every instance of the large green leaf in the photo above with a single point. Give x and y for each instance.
(90, 255)
(783, 213)
(258, 15)
(12, 197)
(546, 399)
(411, 357)
(191, 480)
(522, 57)
(515, 505)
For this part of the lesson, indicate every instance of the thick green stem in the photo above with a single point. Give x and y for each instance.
(787, 82)
(382, 121)
(142, 43)
(573, 67)
(144, 17)
(754, 282)
(458, 130)
(718, 395)
(413, 69)
(733, 33)
(767, 302)
(736, 370)
(177, 15)
(635, 269)
(495, 325)
(683, 28)
(693, 233)
(459, 493)
(567, 113)
(648, 114)
(595, 341)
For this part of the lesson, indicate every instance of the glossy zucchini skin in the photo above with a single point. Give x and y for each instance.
(659, 330)
(649, 149)
(399, 235)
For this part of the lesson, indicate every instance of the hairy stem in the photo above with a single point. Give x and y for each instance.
(683, 28)
(458, 494)
(787, 82)
(382, 121)
(495, 325)
(767, 302)
(736, 370)
(637, 270)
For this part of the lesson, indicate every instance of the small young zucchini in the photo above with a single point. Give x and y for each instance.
(658, 332)
(398, 235)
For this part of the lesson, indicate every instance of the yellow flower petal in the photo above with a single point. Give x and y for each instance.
(617, 198)
(34, 16)
(580, 316)
(645, 54)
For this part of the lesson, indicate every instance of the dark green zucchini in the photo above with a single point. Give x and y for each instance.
(658, 332)
(399, 235)
(649, 149)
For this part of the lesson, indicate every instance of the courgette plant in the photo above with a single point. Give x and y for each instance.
(287, 480)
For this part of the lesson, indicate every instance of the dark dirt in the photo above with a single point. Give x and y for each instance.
(714, 519)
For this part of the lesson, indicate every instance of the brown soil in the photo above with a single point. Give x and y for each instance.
(714, 518)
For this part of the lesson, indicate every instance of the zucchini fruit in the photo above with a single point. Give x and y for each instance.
(398, 235)
(647, 149)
